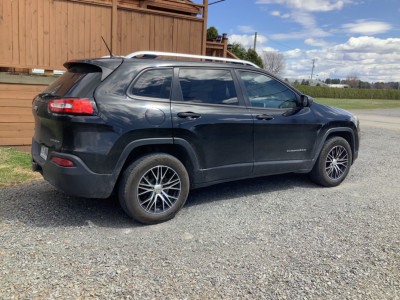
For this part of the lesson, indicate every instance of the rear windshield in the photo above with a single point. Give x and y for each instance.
(79, 81)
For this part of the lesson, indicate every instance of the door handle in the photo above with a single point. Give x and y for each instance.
(188, 115)
(264, 117)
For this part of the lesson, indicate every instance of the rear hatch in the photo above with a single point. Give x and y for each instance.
(68, 102)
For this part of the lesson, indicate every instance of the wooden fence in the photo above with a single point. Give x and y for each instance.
(43, 34)
(46, 33)
(16, 119)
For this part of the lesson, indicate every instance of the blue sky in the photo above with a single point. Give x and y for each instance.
(345, 37)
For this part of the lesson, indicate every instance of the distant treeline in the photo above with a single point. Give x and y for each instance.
(348, 93)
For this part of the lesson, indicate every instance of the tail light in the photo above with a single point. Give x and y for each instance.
(71, 106)
(63, 162)
(34, 98)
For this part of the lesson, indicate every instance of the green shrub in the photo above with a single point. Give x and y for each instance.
(348, 93)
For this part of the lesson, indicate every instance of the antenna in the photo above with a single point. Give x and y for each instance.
(111, 54)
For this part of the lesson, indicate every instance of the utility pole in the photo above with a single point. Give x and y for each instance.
(255, 41)
(313, 66)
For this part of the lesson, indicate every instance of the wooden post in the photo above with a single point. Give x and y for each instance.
(225, 43)
(205, 15)
(114, 24)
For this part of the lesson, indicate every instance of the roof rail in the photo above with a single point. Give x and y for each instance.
(155, 54)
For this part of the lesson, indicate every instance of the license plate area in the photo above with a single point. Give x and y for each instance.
(44, 151)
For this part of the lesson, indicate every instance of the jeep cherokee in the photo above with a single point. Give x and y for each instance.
(152, 129)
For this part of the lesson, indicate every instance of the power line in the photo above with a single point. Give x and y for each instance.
(215, 2)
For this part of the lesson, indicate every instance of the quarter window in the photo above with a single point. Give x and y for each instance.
(208, 86)
(266, 92)
(153, 84)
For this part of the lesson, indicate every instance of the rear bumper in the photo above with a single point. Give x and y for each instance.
(77, 181)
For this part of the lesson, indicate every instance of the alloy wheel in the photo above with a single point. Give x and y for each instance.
(336, 162)
(159, 189)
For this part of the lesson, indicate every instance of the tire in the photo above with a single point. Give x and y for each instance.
(153, 188)
(333, 163)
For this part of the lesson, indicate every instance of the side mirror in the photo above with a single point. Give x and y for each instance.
(306, 100)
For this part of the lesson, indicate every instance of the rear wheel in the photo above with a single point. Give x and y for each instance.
(333, 163)
(154, 188)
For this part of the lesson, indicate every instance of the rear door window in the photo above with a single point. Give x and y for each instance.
(79, 81)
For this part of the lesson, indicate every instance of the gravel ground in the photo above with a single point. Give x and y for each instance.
(278, 237)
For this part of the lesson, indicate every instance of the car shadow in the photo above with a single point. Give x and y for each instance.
(248, 187)
(40, 204)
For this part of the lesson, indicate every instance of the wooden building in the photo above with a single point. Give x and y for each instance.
(43, 34)
(46, 33)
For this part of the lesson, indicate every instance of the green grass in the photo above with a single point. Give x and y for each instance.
(359, 103)
(15, 167)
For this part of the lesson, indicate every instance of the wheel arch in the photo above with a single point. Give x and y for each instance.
(345, 132)
(137, 149)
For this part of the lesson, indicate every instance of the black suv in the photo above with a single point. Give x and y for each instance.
(153, 129)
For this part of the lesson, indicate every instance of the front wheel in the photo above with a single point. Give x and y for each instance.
(333, 163)
(154, 188)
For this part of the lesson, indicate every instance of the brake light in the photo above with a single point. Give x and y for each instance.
(63, 162)
(71, 106)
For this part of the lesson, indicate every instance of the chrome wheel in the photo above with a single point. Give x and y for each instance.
(336, 162)
(158, 189)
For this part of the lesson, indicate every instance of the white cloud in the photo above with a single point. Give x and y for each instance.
(304, 34)
(247, 40)
(305, 19)
(316, 42)
(367, 27)
(309, 5)
(246, 29)
(302, 13)
(293, 53)
(372, 59)
(260, 50)
(367, 44)
(277, 13)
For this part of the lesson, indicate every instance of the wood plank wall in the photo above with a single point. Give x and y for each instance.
(46, 33)
(16, 119)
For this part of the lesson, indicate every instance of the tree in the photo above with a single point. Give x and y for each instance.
(335, 81)
(364, 85)
(305, 82)
(253, 57)
(274, 61)
(249, 55)
(212, 32)
(353, 81)
(239, 50)
(328, 81)
(296, 82)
